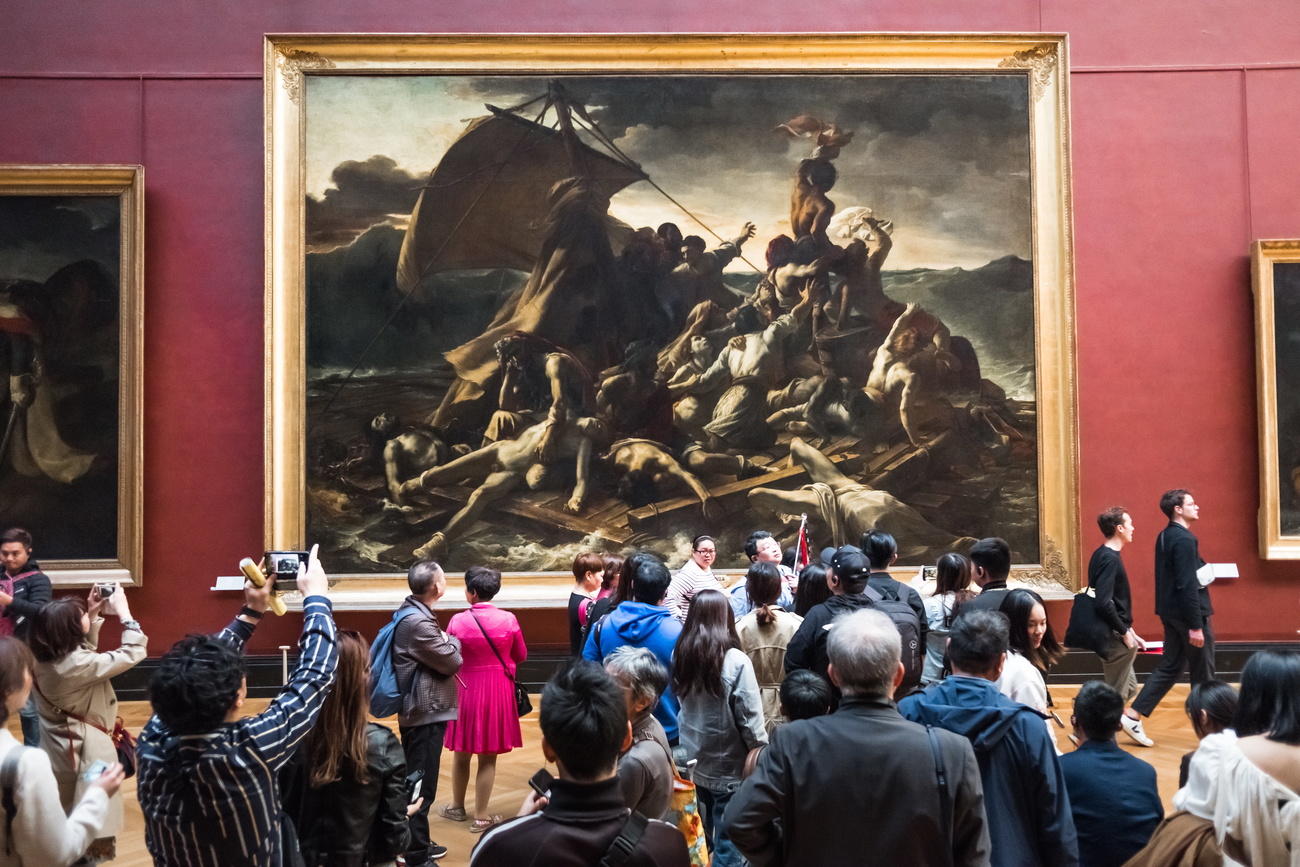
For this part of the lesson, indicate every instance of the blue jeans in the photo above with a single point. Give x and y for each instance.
(713, 807)
(31, 722)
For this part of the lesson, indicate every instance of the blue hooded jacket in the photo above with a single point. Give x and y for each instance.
(639, 624)
(1029, 818)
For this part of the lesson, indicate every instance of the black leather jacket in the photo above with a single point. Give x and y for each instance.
(346, 823)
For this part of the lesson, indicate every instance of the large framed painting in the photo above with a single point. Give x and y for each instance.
(1275, 275)
(531, 295)
(71, 324)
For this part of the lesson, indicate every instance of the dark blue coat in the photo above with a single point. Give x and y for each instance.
(1024, 791)
(1115, 802)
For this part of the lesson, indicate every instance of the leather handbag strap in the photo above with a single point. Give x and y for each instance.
(488, 638)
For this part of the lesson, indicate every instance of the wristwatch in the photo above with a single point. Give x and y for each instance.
(249, 612)
(131, 624)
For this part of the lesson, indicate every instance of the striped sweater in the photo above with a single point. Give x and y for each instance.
(211, 800)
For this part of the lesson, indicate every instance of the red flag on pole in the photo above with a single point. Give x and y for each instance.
(802, 559)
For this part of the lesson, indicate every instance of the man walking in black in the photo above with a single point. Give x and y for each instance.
(1182, 603)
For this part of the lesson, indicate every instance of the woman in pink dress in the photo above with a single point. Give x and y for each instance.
(488, 723)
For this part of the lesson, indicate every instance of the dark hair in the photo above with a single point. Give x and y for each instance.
(422, 575)
(993, 555)
(336, 744)
(851, 568)
(196, 684)
(633, 564)
(56, 629)
(707, 635)
(587, 561)
(812, 589)
(748, 320)
(751, 544)
(16, 534)
(483, 581)
(584, 719)
(977, 641)
(778, 251)
(1110, 520)
(1217, 701)
(612, 570)
(763, 584)
(879, 547)
(952, 575)
(650, 582)
(693, 241)
(1097, 708)
(15, 658)
(789, 556)
(820, 173)
(1017, 606)
(1171, 500)
(1269, 704)
(805, 694)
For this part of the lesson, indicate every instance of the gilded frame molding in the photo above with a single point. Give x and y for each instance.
(1041, 58)
(1273, 545)
(126, 183)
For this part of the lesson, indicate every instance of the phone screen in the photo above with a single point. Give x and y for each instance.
(414, 786)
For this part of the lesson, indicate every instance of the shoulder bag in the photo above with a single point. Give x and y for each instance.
(123, 740)
(523, 704)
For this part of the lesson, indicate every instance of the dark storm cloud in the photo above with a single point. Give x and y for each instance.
(40, 234)
(943, 154)
(363, 194)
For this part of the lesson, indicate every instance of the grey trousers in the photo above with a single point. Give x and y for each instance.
(1117, 668)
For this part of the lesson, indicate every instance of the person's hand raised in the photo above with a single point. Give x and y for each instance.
(312, 581)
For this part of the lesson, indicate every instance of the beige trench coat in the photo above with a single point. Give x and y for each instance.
(79, 684)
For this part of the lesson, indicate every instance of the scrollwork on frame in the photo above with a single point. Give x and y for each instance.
(291, 62)
(1041, 61)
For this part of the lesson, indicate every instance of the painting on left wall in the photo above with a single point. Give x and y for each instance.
(70, 325)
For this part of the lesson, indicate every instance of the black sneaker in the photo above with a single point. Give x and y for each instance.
(436, 852)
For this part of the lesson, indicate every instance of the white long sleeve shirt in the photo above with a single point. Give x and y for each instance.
(43, 836)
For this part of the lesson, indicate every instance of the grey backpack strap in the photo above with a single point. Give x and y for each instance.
(945, 797)
(8, 792)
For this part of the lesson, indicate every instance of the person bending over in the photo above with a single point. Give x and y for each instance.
(207, 778)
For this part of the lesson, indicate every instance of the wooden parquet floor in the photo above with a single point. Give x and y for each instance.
(1168, 726)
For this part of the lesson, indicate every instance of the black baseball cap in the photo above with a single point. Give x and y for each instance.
(850, 563)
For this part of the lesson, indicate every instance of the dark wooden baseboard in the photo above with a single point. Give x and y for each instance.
(264, 678)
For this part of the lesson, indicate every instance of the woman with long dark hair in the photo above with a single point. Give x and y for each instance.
(75, 697)
(764, 634)
(1033, 651)
(1210, 706)
(721, 716)
(346, 787)
(812, 589)
(1245, 780)
(952, 588)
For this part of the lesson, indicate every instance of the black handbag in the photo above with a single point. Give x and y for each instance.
(1087, 630)
(523, 704)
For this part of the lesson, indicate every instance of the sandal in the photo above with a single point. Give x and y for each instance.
(478, 826)
(456, 814)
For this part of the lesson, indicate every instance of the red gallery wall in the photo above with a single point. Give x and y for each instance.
(1184, 144)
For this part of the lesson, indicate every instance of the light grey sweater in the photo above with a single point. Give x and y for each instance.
(719, 731)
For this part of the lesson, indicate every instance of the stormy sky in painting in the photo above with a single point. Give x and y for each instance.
(946, 157)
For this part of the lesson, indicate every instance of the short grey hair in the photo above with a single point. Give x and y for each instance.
(422, 575)
(865, 649)
(639, 670)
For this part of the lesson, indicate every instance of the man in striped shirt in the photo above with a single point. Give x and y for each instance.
(207, 777)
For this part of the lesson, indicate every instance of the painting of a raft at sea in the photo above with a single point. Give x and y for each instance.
(551, 312)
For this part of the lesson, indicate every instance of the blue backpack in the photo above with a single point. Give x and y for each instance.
(385, 694)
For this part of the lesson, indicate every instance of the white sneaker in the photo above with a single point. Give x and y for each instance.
(1133, 728)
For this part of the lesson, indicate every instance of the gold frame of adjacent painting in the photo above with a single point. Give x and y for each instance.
(127, 184)
(1042, 59)
(1263, 256)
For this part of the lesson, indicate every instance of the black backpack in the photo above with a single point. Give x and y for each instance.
(909, 627)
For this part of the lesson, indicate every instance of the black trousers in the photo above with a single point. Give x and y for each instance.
(423, 748)
(1178, 654)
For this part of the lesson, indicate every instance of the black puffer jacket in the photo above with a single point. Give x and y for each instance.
(346, 823)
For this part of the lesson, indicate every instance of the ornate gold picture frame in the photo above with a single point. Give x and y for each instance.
(1275, 277)
(72, 321)
(308, 76)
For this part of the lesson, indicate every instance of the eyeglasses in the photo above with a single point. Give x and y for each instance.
(706, 551)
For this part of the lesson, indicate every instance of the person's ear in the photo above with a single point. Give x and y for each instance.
(1002, 663)
(833, 675)
(893, 559)
(627, 739)
(547, 751)
(899, 674)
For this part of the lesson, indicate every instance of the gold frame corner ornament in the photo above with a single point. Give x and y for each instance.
(126, 183)
(1265, 254)
(290, 61)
